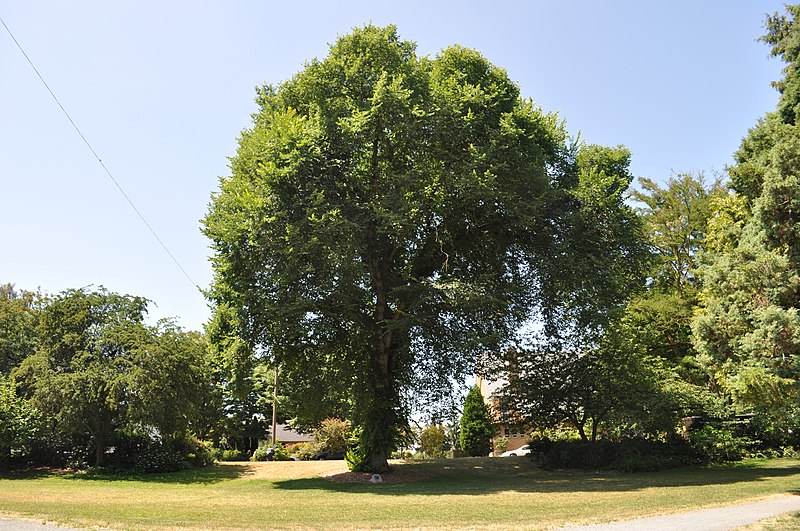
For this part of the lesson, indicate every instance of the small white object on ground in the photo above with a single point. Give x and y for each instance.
(376, 478)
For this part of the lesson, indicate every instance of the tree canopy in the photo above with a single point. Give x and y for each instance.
(387, 219)
(99, 371)
(18, 316)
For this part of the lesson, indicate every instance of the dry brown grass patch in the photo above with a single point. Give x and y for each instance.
(283, 470)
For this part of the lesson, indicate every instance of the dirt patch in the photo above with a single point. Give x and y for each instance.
(335, 471)
(287, 470)
(397, 475)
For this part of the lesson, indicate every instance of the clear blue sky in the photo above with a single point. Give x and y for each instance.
(162, 90)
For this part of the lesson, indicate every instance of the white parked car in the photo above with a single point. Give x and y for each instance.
(522, 450)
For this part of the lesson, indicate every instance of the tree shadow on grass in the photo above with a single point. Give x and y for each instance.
(205, 475)
(29, 473)
(527, 478)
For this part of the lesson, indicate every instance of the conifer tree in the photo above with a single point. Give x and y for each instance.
(477, 427)
(748, 331)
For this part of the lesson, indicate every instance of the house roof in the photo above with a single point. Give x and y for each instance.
(284, 433)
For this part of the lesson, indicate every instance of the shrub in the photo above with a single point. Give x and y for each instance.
(233, 455)
(356, 460)
(431, 441)
(145, 455)
(718, 445)
(333, 435)
(262, 453)
(309, 450)
(789, 452)
(159, 457)
(126, 448)
(281, 454)
(215, 453)
(500, 444)
(141, 453)
(628, 455)
(456, 453)
(196, 453)
(295, 448)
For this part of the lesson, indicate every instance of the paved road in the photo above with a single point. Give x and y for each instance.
(718, 519)
(29, 525)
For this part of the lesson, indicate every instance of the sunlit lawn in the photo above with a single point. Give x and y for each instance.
(784, 522)
(460, 493)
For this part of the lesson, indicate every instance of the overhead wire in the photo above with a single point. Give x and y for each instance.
(108, 172)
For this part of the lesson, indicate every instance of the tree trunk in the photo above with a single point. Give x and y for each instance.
(99, 433)
(579, 425)
(381, 421)
(380, 424)
(275, 408)
(99, 451)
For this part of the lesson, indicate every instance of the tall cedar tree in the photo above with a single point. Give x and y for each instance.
(477, 428)
(747, 332)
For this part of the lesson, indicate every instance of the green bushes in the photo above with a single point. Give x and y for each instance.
(308, 451)
(264, 452)
(402, 454)
(630, 455)
(431, 442)
(333, 435)
(278, 453)
(159, 458)
(356, 460)
(233, 455)
(295, 448)
(722, 441)
(144, 455)
(196, 453)
(500, 445)
(720, 444)
(706, 445)
(20, 424)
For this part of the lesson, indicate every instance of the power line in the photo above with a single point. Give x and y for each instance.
(119, 187)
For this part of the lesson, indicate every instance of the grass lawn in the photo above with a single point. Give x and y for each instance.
(786, 522)
(460, 493)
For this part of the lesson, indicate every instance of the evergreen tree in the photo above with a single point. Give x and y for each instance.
(477, 428)
(748, 331)
(100, 373)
